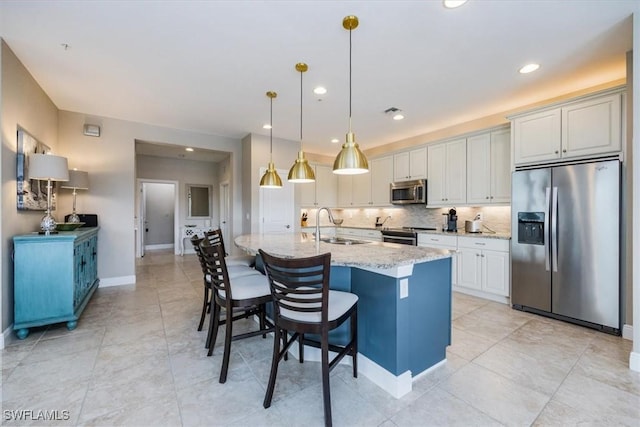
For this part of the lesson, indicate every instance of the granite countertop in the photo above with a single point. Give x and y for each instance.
(462, 233)
(376, 255)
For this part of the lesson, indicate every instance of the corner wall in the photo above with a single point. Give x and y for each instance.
(22, 103)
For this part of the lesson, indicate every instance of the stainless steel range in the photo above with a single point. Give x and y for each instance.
(403, 235)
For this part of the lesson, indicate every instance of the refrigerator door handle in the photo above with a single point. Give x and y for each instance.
(546, 227)
(554, 229)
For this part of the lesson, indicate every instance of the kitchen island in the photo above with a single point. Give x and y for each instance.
(404, 306)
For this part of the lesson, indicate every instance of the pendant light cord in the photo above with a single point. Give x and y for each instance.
(300, 110)
(350, 80)
(271, 130)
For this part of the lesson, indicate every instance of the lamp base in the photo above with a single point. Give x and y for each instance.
(48, 224)
(73, 218)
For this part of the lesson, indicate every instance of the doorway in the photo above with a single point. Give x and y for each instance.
(225, 211)
(276, 207)
(156, 227)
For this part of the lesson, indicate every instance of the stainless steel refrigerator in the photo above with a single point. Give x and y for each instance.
(565, 246)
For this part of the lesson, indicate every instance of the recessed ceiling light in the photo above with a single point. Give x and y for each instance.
(452, 4)
(335, 140)
(394, 112)
(398, 116)
(266, 126)
(320, 90)
(188, 149)
(529, 68)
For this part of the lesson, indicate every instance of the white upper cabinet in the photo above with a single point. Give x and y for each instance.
(489, 168)
(381, 178)
(583, 128)
(323, 192)
(447, 173)
(410, 165)
(368, 189)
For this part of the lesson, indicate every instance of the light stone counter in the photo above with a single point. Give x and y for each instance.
(370, 255)
(462, 233)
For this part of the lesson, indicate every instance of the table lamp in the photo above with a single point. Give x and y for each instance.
(51, 168)
(78, 180)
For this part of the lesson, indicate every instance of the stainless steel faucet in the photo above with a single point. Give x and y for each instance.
(318, 221)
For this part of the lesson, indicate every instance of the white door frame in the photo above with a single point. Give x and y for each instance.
(224, 214)
(139, 223)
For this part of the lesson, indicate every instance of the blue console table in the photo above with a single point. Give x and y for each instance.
(54, 277)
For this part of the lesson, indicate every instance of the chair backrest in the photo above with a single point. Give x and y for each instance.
(195, 241)
(215, 238)
(299, 284)
(216, 268)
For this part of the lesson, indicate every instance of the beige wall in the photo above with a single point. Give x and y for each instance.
(24, 104)
(110, 161)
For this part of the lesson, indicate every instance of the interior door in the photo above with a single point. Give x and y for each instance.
(225, 214)
(277, 206)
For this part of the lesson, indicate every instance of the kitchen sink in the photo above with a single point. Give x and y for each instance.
(342, 241)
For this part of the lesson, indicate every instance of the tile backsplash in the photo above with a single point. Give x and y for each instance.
(497, 218)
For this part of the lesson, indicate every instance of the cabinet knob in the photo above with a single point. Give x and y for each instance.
(492, 197)
(564, 151)
(477, 254)
(557, 151)
(487, 197)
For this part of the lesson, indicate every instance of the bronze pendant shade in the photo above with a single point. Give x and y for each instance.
(301, 172)
(271, 179)
(351, 160)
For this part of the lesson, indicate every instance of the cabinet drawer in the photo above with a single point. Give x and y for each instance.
(484, 243)
(371, 234)
(427, 239)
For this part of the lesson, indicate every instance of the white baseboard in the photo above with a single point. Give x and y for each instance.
(634, 361)
(156, 247)
(627, 332)
(4, 337)
(117, 281)
(480, 294)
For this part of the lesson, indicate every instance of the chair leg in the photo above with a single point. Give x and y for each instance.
(285, 335)
(301, 348)
(205, 306)
(261, 316)
(214, 324)
(354, 339)
(227, 350)
(275, 359)
(326, 392)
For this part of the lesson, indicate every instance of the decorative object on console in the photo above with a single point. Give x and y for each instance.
(271, 179)
(301, 172)
(78, 180)
(350, 160)
(51, 168)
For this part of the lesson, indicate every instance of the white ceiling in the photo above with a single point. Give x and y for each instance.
(206, 65)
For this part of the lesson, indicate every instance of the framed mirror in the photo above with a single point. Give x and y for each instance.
(198, 201)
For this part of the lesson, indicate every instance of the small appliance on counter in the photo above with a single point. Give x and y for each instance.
(473, 226)
(451, 221)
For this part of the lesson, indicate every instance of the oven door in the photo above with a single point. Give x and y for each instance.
(400, 240)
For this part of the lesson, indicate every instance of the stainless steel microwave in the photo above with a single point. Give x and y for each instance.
(408, 192)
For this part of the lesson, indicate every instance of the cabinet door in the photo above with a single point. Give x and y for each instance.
(479, 169)
(469, 268)
(307, 192)
(401, 167)
(326, 186)
(381, 177)
(436, 175)
(537, 137)
(345, 186)
(500, 180)
(592, 126)
(495, 272)
(456, 172)
(418, 163)
(361, 191)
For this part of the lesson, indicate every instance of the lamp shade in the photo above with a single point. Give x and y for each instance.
(78, 180)
(48, 166)
(350, 160)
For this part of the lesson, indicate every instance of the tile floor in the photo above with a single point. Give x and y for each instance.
(136, 359)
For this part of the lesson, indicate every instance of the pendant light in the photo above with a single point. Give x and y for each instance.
(270, 179)
(301, 172)
(350, 160)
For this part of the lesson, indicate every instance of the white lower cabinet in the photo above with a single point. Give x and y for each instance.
(359, 234)
(442, 241)
(483, 265)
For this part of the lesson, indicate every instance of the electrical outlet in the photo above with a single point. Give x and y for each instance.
(480, 216)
